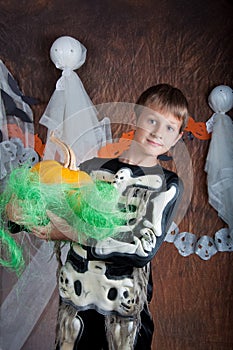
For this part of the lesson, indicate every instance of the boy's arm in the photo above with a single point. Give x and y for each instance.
(56, 229)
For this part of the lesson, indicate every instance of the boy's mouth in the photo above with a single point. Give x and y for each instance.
(154, 143)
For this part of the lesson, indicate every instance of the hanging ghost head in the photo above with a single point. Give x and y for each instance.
(221, 99)
(67, 53)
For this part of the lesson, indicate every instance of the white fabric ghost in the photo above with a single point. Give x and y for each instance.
(70, 112)
(219, 162)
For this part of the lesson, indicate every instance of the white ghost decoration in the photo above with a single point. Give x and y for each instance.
(219, 162)
(70, 112)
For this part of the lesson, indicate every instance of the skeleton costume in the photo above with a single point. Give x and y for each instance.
(105, 286)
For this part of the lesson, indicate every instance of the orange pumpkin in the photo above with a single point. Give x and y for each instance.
(53, 172)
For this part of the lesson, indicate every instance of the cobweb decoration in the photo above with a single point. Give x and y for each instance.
(15, 107)
(26, 301)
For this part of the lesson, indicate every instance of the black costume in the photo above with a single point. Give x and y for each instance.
(105, 286)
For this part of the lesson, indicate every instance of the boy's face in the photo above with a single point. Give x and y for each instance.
(156, 132)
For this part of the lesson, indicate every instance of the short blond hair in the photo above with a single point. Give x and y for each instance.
(164, 97)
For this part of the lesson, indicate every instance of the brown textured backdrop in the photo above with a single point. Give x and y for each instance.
(133, 44)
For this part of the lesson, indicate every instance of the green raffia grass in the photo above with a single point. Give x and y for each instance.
(96, 211)
(13, 256)
(92, 210)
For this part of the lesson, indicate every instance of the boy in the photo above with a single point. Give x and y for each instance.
(106, 286)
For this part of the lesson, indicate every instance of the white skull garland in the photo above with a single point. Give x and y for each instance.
(14, 154)
(185, 243)
(205, 246)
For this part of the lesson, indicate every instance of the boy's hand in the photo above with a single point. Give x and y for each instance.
(14, 211)
(57, 229)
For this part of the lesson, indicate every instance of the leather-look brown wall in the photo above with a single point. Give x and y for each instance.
(133, 44)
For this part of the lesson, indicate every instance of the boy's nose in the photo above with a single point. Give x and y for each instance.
(157, 133)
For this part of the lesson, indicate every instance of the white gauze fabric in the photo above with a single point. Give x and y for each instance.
(219, 168)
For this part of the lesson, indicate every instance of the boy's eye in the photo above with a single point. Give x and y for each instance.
(170, 128)
(152, 121)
